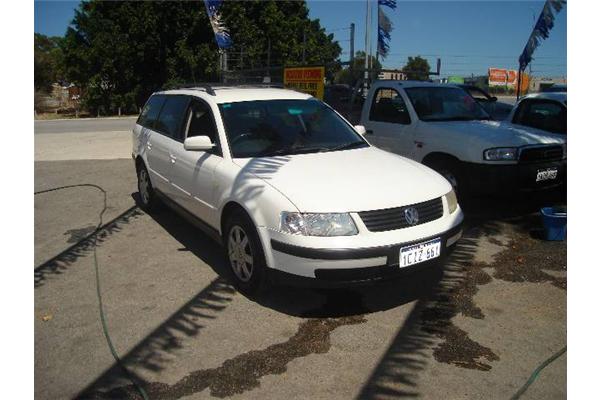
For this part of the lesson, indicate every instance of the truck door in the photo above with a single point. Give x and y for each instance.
(388, 122)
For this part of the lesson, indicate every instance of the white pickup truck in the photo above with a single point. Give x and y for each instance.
(444, 128)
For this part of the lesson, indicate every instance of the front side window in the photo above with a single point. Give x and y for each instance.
(172, 116)
(280, 127)
(445, 104)
(149, 114)
(200, 122)
(388, 106)
(547, 115)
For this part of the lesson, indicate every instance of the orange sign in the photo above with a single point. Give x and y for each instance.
(507, 77)
(310, 80)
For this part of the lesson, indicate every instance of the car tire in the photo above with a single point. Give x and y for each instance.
(147, 195)
(245, 254)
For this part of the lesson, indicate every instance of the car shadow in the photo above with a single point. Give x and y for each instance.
(296, 301)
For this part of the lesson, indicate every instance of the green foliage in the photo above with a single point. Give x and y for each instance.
(48, 61)
(351, 76)
(417, 68)
(120, 52)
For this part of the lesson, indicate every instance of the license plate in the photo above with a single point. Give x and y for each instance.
(546, 174)
(420, 252)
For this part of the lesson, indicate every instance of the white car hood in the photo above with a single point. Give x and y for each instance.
(496, 133)
(348, 181)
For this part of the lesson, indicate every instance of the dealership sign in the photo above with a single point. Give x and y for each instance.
(310, 80)
(506, 77)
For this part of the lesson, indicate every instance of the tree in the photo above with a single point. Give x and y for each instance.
(351, 76)
(120, 52)
(48, 61)
(417, 68)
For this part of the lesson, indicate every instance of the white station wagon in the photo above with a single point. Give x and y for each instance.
(290, 188)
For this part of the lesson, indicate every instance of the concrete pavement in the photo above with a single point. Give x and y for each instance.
(84, 125)
(83, 139)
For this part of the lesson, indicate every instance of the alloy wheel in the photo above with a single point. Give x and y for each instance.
(240, 253)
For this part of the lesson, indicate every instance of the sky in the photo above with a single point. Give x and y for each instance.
(468, 36)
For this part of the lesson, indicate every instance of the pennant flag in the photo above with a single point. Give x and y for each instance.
(384, 27)
(541, 30)
(221, 32)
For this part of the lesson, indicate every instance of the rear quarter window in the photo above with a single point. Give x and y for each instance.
(149, 114)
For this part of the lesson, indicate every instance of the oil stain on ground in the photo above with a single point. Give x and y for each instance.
(524, 259)
(243, 372)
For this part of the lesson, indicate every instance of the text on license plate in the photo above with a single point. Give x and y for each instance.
(546, 174)
(420, 252)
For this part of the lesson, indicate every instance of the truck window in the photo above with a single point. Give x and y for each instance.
(388, 106)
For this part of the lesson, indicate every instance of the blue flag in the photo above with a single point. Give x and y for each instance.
(384, 27)
(541, 30)
(221, 32)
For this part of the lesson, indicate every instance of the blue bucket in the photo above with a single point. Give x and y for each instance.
(555, 222)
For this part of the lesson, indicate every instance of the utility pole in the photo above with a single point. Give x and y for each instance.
(367, 31)
(352, 44)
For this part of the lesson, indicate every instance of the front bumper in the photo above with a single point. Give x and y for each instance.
(491, 179)
(363, 265)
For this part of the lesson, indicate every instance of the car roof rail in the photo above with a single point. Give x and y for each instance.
(209, 88)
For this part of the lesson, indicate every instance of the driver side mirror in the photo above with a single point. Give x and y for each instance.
(493, 98)
(362, 131)
(198, 143)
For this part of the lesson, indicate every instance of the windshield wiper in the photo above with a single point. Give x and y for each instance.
(348, 146)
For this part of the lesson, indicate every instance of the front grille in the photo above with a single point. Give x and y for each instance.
(537, 154)
(393, 218)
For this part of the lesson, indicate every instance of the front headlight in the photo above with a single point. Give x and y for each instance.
(501, 154)
(451, 200)
(309, 224)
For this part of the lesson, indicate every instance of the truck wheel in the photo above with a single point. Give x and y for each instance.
(450, 170)
(245, 254)
(148, 200)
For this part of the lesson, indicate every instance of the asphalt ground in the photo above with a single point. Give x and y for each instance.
(474, 328)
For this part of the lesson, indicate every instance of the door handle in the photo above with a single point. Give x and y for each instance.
(369, 132)
(419, 144)
(173, 158)
(149, 145)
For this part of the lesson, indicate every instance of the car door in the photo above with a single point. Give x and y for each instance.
(389, 124)
(193, 173)
(168, 128)
(154, 143)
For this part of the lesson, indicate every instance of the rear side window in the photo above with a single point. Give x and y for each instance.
(388, 106)
(172, 116)
(547, 115)
(151, 110)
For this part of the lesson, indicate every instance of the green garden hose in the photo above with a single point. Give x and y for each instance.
(537, 371)
(98, 292)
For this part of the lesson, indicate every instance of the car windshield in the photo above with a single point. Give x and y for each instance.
(445, 104)
(281, 127)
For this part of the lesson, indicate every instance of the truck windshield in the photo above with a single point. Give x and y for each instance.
(281, 127)
(445, 104)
